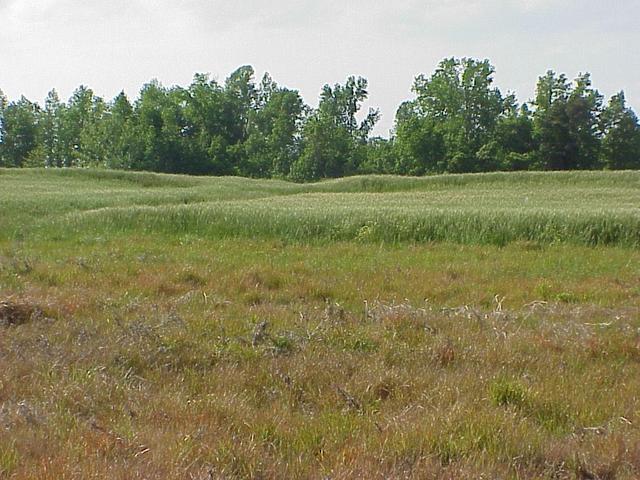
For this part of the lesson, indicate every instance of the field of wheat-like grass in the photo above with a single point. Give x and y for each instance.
(590, 208)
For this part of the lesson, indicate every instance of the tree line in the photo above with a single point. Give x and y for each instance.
(457, 122)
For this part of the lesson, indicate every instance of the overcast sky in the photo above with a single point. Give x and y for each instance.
(111, 45)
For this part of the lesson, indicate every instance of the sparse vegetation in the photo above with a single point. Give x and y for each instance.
(180, 327)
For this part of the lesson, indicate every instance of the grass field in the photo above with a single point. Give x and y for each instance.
(468, 326)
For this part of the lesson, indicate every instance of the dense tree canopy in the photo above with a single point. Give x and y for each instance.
(566, 123)
(621, 135)
(457, 122)
(19, 132)
(333, 141)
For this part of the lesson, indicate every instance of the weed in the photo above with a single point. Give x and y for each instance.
(283, 344)
(444, 354)
(9, 458)
(506, 392)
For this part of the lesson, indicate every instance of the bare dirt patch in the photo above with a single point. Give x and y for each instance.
(13, 313)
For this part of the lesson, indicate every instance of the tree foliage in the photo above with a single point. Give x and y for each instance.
(333, 139)
(458, 121)
(566, 122)
(621, 142)
(19, 132)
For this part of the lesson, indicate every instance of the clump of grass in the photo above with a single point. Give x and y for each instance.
(9, 458)
(283, 344)
(552, 416)
(444, 353)
(506, 392)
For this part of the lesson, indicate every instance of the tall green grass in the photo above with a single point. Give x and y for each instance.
(588, 208)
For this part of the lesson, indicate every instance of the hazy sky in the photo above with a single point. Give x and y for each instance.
(111, 45)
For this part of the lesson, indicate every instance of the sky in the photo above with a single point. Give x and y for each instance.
(114, 45)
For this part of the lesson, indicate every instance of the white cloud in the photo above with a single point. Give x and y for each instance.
(117, 44)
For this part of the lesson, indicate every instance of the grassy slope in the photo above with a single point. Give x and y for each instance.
(380, 360)
(586, 207)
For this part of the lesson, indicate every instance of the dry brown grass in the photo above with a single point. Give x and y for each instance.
(210, 359)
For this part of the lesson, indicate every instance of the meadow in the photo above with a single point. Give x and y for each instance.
(589, 208)
(456, 326)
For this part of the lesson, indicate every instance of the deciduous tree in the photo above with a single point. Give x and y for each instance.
(621, 143)
(20, 132)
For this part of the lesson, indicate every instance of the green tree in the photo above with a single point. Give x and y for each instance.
(118, 133)
(584, 107)
(460, 102)
(566, 122)
(220, 121)
(621, 143)
(20, 132)
(93, 147)
(327, 152)
(160, 130)
(79, 134)
(380, 156)
(51, 130)
(3, 106)
(512, 146)
(419, 146)
(211, 127)
(241, 98)
(272, 144)
(334, 141)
